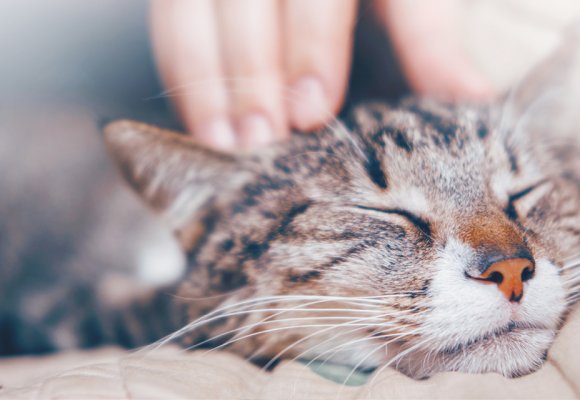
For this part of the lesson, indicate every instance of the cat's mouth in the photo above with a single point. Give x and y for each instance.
(511, 350)
(512, 329)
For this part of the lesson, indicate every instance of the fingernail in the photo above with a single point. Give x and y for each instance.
(309, 104)
(219, 134)
(256, 130)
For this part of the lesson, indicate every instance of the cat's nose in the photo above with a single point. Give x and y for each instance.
(509, 275)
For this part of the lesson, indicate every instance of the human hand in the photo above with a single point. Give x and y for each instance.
(426, 38)
(244, 72)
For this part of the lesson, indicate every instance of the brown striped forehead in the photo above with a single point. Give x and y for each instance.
(439, 148)
(415, 123)
(441, 151)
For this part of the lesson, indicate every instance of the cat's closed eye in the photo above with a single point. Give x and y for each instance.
(422, 225)
(522, 201)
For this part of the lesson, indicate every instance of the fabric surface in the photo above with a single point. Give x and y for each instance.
(172, 374)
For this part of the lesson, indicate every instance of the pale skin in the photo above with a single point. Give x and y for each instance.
(244, 73)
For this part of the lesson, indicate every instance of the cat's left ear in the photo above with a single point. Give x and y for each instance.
(171, 173)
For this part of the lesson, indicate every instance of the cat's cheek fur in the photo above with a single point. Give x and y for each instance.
(544, 299)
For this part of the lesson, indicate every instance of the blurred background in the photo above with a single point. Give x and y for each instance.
(70, 51)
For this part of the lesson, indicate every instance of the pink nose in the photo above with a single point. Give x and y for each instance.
(509, 275)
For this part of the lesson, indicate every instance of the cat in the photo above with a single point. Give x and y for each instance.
(426, 235)
(423, 235)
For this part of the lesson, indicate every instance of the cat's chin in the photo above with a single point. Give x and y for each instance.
(511, 353)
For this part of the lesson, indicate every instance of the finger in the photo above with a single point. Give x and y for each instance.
(318, 46)
(187, 50)
(426, 38)
(251, 54)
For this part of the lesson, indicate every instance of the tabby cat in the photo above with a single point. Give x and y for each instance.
(423, 235)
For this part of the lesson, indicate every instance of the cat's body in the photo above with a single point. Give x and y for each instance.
(430, 236)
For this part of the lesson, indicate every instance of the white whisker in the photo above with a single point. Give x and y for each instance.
(289, 347)
(332, 326)
(218, 313)
(373, 336)
(396, 359)
(380, 347)
(269, 320)
(397, 326)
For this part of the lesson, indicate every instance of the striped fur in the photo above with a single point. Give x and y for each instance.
(355, 245)
(367, 214)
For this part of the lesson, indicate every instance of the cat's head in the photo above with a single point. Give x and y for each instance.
(429, 236)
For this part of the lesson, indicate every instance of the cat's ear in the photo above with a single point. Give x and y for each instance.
(547, 97)
(169, 171)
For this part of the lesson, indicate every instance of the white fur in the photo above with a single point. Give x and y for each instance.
(502, 185)
(463, 309)
(413, 199)
(467, 315)
(160, 260)
(189, 200)
(544, 297)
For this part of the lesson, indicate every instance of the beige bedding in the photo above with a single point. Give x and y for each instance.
(171, 374)
(504, 37)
